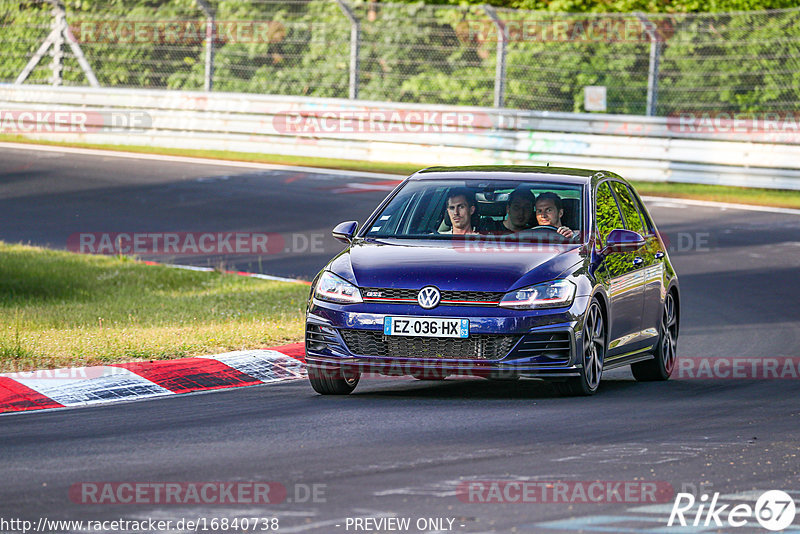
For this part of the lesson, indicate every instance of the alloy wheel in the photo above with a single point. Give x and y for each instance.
(669, 334)
(594, 346)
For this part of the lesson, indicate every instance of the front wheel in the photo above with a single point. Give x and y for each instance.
(593, 352)
(661, 367)
(332, 381)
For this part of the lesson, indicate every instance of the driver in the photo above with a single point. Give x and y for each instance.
(460, 209)
(549, 210)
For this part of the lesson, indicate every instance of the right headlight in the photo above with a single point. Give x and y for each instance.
(553, 294)
(335, 289)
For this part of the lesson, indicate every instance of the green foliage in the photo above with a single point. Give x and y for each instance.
(413, 52)
(118, 58)
(646, 6)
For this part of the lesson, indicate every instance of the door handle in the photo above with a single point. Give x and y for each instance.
(659, 254)
(638, 261)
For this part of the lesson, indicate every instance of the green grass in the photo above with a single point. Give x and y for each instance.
(59, 309)
(740, 195)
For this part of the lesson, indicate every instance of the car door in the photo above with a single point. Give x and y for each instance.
(648, 264)
(620, 274)
(654, 275)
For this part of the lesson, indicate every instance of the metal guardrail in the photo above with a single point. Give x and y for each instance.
(637, 147)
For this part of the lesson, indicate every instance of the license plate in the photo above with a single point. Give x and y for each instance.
(425, 327)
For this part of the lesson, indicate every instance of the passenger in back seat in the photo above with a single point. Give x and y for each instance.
(519, 213)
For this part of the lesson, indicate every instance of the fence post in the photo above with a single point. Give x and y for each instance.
(57, 51)
(211, 35)
(355, 41)
(655, 59)
(58, 34)
(500, 69)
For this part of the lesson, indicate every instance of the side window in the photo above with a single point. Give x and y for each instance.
(607, 217)
(391, 218)
(648, 220)
(628, 206)
(425, 216)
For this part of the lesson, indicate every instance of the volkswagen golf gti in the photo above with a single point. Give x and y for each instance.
(502, 272)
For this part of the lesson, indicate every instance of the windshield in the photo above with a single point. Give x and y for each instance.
(525, 210)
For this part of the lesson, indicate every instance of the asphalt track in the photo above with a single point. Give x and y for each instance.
(399, 447)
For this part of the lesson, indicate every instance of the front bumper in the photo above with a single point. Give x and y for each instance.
(536, 343)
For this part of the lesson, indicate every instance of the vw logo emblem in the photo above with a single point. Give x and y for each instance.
(428, 297)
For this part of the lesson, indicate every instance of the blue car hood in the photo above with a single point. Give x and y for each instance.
(452, 267)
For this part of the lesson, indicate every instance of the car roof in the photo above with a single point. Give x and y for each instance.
(506, 172)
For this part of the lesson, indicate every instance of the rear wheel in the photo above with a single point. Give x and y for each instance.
(593, 352)
(332, 381)
(661, 367)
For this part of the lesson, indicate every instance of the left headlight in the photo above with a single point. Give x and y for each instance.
(335, 289)
(548, 295)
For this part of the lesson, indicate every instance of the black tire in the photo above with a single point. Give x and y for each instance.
(593, 353)
(332, 381)
(666, 353)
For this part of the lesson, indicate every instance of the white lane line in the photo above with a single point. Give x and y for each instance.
(682, 202)
(199, 161)
(671, 205)
(276, 278)
(320, 170)
(211, 269)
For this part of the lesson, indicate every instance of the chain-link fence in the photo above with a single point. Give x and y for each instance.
(472, 55)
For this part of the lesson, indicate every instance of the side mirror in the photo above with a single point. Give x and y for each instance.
(622, 241)
(345, 231)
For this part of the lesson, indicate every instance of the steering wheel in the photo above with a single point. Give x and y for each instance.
(560, 238)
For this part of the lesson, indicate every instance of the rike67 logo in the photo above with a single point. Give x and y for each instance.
(774, 510)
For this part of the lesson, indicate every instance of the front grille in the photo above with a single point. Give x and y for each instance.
(546, 347)
(487, 297)
(475, 347)
(389, 293)
(319, 338)
(475, 296)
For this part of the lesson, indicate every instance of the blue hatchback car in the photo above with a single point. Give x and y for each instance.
(500, 272)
